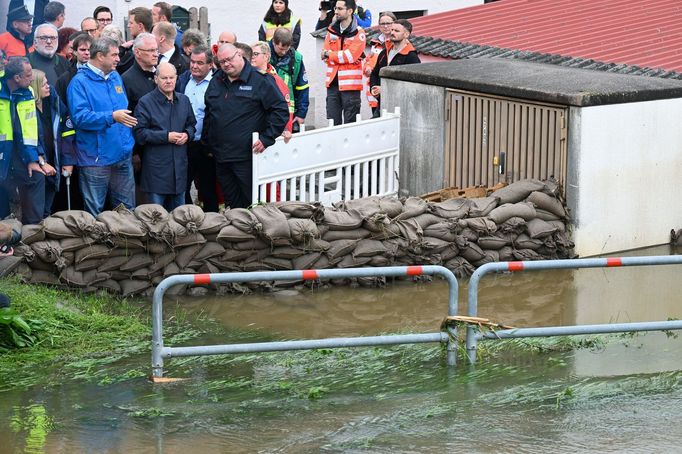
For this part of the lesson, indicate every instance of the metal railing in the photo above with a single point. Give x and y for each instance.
(330, 164)
(160, 351)
(473, 335)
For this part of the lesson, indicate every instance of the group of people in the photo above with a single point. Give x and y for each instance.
(139, 121)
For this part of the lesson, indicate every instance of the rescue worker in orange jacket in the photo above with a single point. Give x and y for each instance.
(344, 49)
(15, 42)
(386, 19)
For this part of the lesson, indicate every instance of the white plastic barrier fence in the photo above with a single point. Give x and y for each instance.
(330, 164)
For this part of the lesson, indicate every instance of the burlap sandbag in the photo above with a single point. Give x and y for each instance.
(524, 210)
(357, 234)
(73, 244)
(483, 226)
(546, 215)
(154, 217)
(32, 233)
(48, 250)
(377, 222)
(302, 210)
(560, 225)
(231, 234)
(506, 254)
(160, 261)
(189, 216)
(286, 252)
(342, 220)
(391, 206)
(43, 277)
(86, 265)
(244, 220)
(340, 248)
(171, 269)
(136, 262)
(492, 242)
(279, 264)
(369, 248)
(548, 203)
(303, 230)
(213, 223)
(92, 251)
(109, 285)
(470, 251)
(55, 228)
(526, 254)
(315, 245)
(518, 190)
(426, 220)
(524, 241)
(75, 278)
(129, 244)
(380, 260)
(451, 209)
(79, 222)
(122, 222)
(537, 228)
(482, 206)
(225, 265)
(143, 273)
(112, 263)
(366, 206)
(8, 264)
(433, 245)
(413, 206)
(490, 257)
(350, 261)
(234, 255)
(252, 245)
(189, 240)
(449, 252)
(306, 261)
(209, 250)
(460, 267)
(444, 230)
(130, 287)
(186, 254)
(274, 222)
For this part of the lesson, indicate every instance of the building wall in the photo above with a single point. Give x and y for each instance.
(244, 18)
(422, 139)
(626, 167)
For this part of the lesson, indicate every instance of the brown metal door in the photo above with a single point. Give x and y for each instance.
(491, 139)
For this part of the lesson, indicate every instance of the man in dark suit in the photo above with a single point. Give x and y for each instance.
(169, 52)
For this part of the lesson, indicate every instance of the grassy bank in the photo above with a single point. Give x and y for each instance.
(77, 337)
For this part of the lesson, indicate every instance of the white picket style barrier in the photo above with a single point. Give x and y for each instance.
(330, 164)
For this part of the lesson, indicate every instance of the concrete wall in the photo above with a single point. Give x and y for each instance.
(626, 168)
(422, 138)
(244, 18)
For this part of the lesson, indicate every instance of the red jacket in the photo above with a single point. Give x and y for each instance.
(12, 46)
(346, 51)
(284, 88)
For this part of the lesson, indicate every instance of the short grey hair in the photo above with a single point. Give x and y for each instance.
(15, 66)
(45, 25)
(141, 38)
(102, 46)
(114, 32)
(193, 36)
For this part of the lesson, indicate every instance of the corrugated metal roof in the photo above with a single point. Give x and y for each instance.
(629, 36)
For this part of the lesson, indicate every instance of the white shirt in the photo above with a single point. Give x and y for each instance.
(166, 56)
(195, 91)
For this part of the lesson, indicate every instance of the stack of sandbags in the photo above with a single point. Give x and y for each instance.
(130, 252)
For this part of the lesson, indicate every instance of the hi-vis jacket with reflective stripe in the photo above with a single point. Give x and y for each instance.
(346, 51)
(18, 127)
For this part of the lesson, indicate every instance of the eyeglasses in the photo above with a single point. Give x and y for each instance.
(385, 24)
(46, 38)
(104, 21)
(256, 54)
(339, 8)
(89, 30)
(228, 59)
(153, 51)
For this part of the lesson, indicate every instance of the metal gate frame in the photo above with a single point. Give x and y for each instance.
(160, 351)
(473, 336)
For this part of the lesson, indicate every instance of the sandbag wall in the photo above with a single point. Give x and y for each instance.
(129, 252)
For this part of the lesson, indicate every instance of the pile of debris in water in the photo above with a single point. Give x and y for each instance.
(129, 252)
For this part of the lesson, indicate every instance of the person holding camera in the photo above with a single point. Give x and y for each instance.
(326, 15)
(280, 16)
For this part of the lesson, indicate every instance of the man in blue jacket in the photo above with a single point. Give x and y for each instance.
(103, 125)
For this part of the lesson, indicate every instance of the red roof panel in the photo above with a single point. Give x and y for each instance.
(634, 32)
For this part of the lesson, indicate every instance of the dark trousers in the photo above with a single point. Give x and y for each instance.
(235, 179)
(342, 105)
(31, 191)
(202, 170)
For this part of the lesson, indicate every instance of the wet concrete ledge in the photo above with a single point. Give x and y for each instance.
(537, 81)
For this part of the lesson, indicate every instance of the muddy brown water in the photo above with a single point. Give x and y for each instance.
(621, 396)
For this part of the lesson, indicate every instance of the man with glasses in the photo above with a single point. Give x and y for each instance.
(240, 100)
(103, 125)
(103, 16)
(16, 41)
(89, 26)
(386, 19)
(343, 51)
(139, 79)
(45, 57)
(201, 165)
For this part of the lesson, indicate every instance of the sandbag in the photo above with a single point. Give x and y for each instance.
(302, 210)
(482, 206)
(122, 222)
(189, 240)
(8, 264)
(380, 260)
(512, 225)
(136, 262)
(376, 223)
(482, 226)
(524, 241)
(92, 251)
(154, 217)
(451, 209)
(460, 267)
(518, 190)
(445, 231)
(232, 234)
(537, 228)
(340, 248)
(369, 248)
(277, 263)
(286, 252)
(73, 244)
(526, 254)
(112, 263)
(546, 215)
(492, 242)
(426, 220)
(84, 265)
(43, 277)
(366, 206)
(305, 261)
(185, 255)
(48, 250)
(209, 250)
(391, 206)
(234, 255)
(434, 245)
(357, 234)
(350, 261)
(80, 222)
(109, 285)
(470, 251)
(130, 287)
(24, 251)
(244, 220)
(303, 230)
(506, 254)
(343, 220)
(274, 222)
(251, 245)
(524, 210)
(32, 233)
(55, 228)
(548, 203)
(189, 216)
(213, 223)
(413, 206)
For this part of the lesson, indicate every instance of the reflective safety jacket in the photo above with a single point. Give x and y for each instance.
(18, 127)
(267, 30)
(291, 69)
(346, 51)
(376, 46)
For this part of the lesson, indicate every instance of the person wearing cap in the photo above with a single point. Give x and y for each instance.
(15, 42)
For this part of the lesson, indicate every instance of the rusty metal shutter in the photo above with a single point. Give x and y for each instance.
(492, 139)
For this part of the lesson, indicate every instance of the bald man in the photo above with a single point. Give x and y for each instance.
(256, 105)
(165, 124)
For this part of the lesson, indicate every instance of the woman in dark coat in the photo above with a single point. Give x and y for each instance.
(165, 124)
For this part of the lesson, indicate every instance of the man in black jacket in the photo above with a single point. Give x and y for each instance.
(81, 53)
(45, 56)
(168, 51)
(165, 124)
(139, 79)
(399, 51)
(239, 101)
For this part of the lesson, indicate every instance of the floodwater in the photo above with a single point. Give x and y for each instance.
(620, 394)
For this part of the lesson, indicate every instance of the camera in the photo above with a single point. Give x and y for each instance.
(325, 6)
